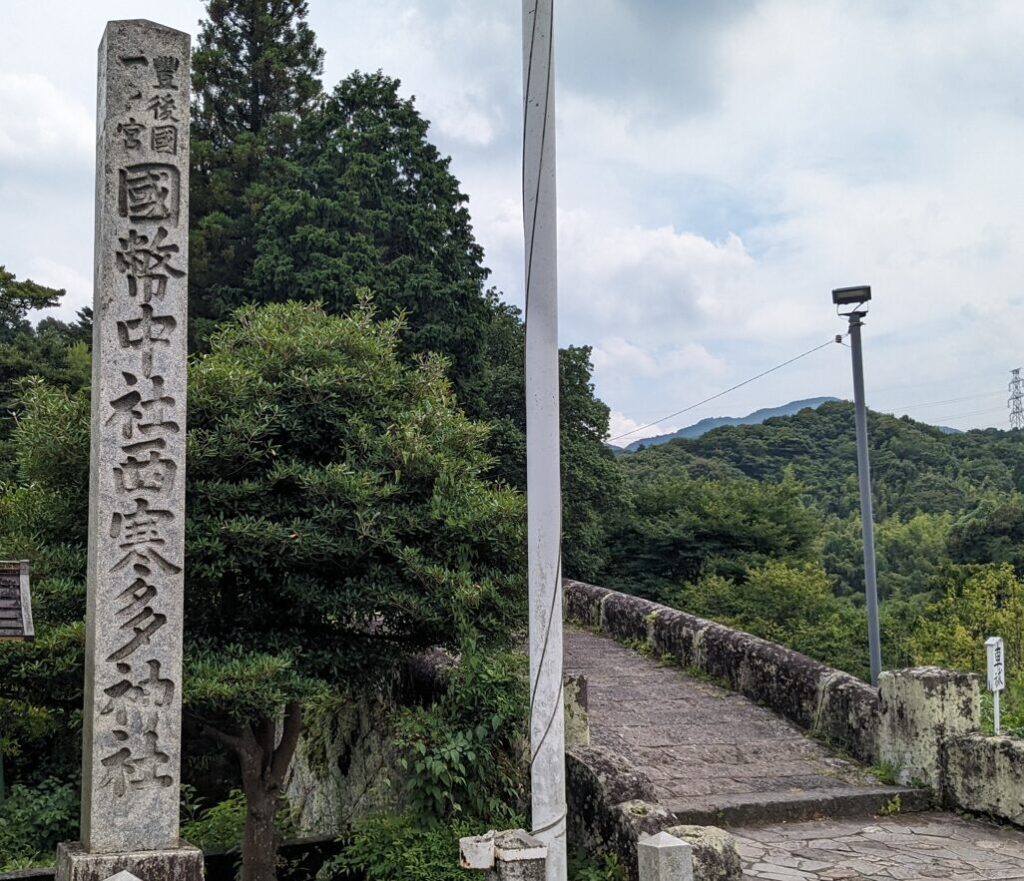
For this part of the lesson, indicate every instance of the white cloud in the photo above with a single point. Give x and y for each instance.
(721, 168)
(78, 289)
(627, 430)
(40, 123)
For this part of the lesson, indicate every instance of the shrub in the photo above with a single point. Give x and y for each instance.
(33, 820)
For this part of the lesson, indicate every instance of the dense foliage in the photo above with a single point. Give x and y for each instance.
(916, 468)
(352, 484)
(758, 527)
(57, 351)
(33, 820)
(338, 520)
(307, 194)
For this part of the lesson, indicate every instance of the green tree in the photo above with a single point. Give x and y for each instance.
(255, 71)
(592, 483)
(54, 350)
(991, 532)
(366, 200)
(17, 298)
(679, 529)
(41, 520)
(337, 520)
(789, 604)
(909, 551)
(978, 602)
(317, 196)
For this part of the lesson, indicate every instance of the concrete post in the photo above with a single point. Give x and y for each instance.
(543, 475)
(577, 715)
(664, 857)
(919, 708)
(505, 856)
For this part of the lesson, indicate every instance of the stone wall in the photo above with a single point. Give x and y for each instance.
(343, 767)
(922, 722)
(610, 804)
(985, 774)
(825, 701)
(346, 766)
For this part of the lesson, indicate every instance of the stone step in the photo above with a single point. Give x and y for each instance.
(755, 808)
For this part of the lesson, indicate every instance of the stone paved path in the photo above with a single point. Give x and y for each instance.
(715, 756)
(911, 847)
(705, 749)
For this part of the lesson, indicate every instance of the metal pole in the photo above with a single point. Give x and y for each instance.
(866, 515)
(544, 498)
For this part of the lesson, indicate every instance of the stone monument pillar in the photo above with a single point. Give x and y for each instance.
(132, 719)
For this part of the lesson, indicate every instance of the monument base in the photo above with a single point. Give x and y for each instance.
(182, 863)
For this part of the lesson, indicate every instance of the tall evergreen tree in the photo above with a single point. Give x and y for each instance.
(311, 196)
(366, 200)
(256, 69)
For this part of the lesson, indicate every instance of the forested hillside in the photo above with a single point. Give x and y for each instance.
(917, 468)
(758, 526)
(698, 429)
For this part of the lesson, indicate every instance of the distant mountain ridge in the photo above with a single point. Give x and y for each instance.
(713, 422)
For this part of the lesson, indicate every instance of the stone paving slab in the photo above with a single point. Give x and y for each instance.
(916, 847)
(709, 752)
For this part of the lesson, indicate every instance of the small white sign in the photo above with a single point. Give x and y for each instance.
(996, 663)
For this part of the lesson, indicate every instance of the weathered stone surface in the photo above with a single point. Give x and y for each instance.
(577, 722)
(342, 767)
(710, 753)
(805, 691)
(628, 617)
(715, 857)
(583, 602)
(663, 857)
(631, 822)
(132, 714)
(702, 750)
(599, 784)
(477, 851)
(985, 774)
(598, 778)
(916, 847)
(518, 856)
(918, 709)
(847, 714)
(182, 863)
(678, 634)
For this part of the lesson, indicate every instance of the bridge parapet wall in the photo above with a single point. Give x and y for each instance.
(816, 697)
(924, 725)
(985, 774)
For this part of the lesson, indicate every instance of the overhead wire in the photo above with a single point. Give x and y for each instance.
(947, 401)
(831, 342)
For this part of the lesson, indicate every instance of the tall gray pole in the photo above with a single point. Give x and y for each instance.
(866, 514)
(544, 498)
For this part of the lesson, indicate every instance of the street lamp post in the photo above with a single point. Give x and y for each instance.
(856, 299)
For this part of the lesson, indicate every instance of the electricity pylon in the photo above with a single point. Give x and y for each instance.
(1016, 401)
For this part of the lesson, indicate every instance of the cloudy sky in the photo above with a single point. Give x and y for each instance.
(722, 166)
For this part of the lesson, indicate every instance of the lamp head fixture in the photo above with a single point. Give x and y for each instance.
(852, 299)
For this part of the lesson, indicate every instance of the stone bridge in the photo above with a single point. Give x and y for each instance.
(692, 723)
